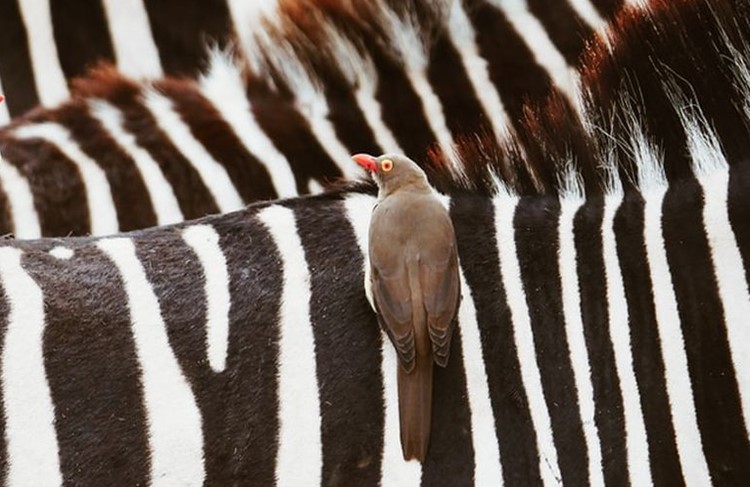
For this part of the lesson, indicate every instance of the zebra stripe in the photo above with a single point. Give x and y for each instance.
(680, 392)
(174, 421)
(21, 201)
(636, 442)
(505, 206)
(299, 403)
(488, 468)
(132, 39)
(212, 174)
(101, 206)
(298, 133)
(570, 202)
(204, 241)
(223, 86)
(160, 191)
(49, 77)
(32, 449)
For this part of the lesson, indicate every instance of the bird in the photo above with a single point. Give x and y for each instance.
(413, 284)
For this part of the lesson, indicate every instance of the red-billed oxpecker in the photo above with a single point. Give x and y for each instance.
(414, 284)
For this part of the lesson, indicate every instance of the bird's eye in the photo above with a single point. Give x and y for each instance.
(386, 165)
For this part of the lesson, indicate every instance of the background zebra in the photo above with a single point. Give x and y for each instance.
(281, 118)
(602, 334)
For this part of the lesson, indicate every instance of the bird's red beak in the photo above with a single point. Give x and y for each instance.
(2, 98)
(368, 162)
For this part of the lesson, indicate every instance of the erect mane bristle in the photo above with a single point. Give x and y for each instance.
(696, 47)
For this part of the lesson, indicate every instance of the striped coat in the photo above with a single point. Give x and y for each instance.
(602, 336)
(281, 118)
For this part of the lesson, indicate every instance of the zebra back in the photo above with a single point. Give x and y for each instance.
(282, 118)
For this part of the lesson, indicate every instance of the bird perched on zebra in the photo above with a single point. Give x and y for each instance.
(414, 285)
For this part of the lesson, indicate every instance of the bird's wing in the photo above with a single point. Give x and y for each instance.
(441, 294)
(392, 296)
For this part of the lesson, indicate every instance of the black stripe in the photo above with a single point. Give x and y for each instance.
(128, 189)
(92, 369)
(347, 349)
(463, 112)
(248, 423)
(347, 118)
(739, 188)
(473, 219)
(715, 388)
(647, 359)
(59, 194)
(402, 110)
(292, 136)
(566, 30)
(610, 419)
(183, 30)
(194, 198)
(16, 73)
(450, 458)
(4, 312)
(537, 244)
(6, 217)
(248, 175)
(609, 8)
(511, 64)
(81, 35)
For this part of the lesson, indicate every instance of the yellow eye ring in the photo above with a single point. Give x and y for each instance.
(386, 165)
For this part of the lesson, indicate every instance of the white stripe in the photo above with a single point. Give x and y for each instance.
(464, 39)
(204, 241)
(247, 19)
(133, 42)
(394, 470)
(224, 87)
(679, 388)
(21, 202)
(372, 111)
(636, 442)
(587, 11)
(579, 357)
(4, 111)
(730, 277)
(406, 41)
(213, 175)
(300, 459)
(536, 38)
(101, 206)
(510, 270)
(175, 432)
(310, 102)
(159, 190)
(433, 111)
(487, 467)
(48, 74)
(32, 449)
(359, 71)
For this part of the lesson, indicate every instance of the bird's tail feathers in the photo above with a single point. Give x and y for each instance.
(415, 407)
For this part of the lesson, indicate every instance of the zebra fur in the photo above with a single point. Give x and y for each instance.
(642, 381)
(281, 120)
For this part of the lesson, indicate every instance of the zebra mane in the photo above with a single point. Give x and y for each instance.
(661, 81)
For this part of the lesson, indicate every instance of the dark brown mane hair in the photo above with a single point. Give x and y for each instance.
(674, 56)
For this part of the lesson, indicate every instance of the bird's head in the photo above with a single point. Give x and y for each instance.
(392, 172)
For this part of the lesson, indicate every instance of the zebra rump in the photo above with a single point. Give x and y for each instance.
(316, 81)
(602, 336)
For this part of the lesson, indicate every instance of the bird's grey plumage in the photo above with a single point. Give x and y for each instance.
(415, 286)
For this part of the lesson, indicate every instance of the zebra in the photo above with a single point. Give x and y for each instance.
(602, 336)
(280, 120)
(46, 44)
